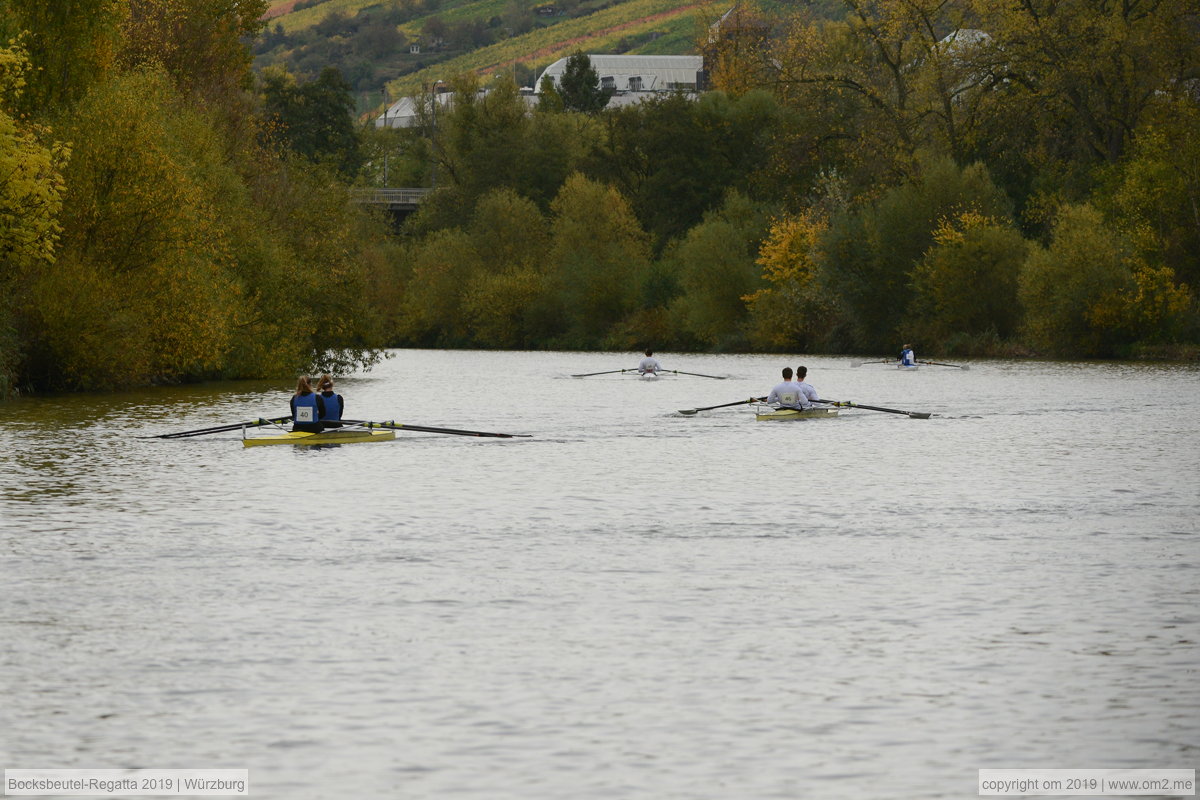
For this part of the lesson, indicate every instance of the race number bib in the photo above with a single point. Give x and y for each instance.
(306, 415)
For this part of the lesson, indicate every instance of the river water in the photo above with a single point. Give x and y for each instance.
(631, 603)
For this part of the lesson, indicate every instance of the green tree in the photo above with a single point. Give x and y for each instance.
(965, 287)
(717, 269)
(71, 45)
(675, 158)
(503, 297)
(31, 188)
(315, 119)
(869, 255)
(1072, 290)
(579, 86)
(598, 253)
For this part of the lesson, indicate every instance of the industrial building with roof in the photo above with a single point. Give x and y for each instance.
(630, 78)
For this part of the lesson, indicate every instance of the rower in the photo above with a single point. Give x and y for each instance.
(649, 364)
(335, 404)
(786, 394)
(808, 395)
(907, 357)
(307, 408)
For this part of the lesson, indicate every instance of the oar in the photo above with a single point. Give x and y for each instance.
(939, 364)
(697, 374)
(220, 428)
(397, 426)
(606, 372)
(880, 361)
(848, 404)
(691, 411)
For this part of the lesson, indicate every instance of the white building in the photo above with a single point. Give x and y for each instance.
(637, 73)
(632, 79)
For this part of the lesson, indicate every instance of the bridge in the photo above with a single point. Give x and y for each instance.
(404, 200)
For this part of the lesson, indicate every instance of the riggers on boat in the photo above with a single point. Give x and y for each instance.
(351, 434)
(815, 412)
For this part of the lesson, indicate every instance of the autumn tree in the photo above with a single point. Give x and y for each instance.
(965, 288)
(31, 188)
(140, 289)
(869, 254)
(71, 45)
(790, 312)
(200, 43)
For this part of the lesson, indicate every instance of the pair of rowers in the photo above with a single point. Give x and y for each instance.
(314, 411)
(797, 393)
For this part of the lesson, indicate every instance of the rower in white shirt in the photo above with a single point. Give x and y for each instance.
(649, 364)
(808, 395)
(786, 394)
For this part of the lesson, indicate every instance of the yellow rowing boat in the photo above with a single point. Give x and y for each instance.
(334, 436)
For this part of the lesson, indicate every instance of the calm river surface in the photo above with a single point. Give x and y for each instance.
(630, 604)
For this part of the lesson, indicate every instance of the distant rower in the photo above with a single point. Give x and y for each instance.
(907, 357)
(649, 364)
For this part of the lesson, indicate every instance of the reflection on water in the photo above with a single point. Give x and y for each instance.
(632, 603)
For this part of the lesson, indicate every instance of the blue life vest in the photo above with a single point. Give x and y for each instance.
(906, 358)
(333, 407)
(306, 409)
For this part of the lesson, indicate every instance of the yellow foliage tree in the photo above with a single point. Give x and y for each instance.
(31, 187)
(142, 290)
(789, 312)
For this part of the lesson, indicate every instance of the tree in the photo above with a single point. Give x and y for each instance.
(1072, 290)
(140, 290)
(716, 266)
(869, 254)
(598, 253)
(71, 45)
(580, 86)
(966, 285)
(676, 158)
(502, 299)
(200, 43)
(315, 118)
(31, 188)
(791, 312)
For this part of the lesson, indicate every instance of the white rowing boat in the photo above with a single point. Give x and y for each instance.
(763, 413)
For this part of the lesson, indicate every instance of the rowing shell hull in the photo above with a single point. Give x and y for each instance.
(325, 437)
(795, 413)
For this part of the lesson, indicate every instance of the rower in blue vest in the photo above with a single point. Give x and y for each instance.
(907, 357)
(307, 408)
(335, 404)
